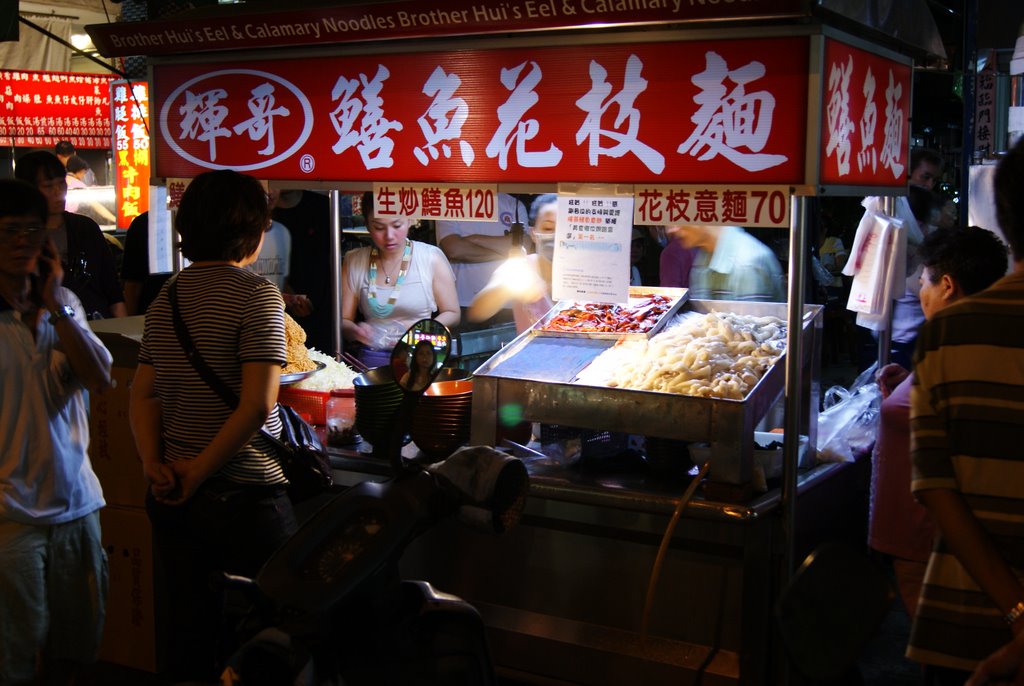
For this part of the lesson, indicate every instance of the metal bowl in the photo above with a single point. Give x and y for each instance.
(447, 388)
(378, 376)
(453, 374)
(296, 377)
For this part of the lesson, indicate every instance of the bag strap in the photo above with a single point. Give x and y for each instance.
(196, 358)
(199, 363)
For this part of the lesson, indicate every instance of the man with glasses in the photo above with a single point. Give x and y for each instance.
(53, 570)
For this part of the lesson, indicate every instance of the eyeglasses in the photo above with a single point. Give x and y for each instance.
(34, 234)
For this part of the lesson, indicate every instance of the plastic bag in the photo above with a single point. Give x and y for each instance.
(821, 275)
(385, 333)
(848, 425)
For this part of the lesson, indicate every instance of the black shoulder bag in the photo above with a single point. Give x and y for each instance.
(299, 450)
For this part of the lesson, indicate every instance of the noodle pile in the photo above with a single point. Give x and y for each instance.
(298, 359)
(715, 355)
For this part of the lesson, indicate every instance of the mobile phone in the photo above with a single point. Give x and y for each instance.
(43, 267)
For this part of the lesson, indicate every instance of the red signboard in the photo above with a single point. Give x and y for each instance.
(865, 125)
(40, 108)
(723, 111)
(131, 148)
(411, 19)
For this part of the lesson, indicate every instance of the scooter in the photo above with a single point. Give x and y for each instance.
(329, 607)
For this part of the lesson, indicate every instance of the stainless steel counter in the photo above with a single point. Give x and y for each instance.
(563, 593)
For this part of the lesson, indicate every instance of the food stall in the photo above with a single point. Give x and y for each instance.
(90, 111)
(704, 113)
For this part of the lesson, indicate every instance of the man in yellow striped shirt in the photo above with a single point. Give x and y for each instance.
(967, 447)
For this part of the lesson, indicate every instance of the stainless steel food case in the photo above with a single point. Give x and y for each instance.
(537, 375)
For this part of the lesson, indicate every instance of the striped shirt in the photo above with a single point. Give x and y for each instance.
(967, 434)
(234, 317)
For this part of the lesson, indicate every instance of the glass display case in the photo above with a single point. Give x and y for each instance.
(99, 203)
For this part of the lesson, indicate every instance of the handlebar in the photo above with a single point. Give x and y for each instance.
(369, 526)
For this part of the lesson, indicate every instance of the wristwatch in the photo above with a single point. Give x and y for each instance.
(1015, 613)
(61, 312)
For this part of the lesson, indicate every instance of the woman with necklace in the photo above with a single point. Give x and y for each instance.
(393, 283)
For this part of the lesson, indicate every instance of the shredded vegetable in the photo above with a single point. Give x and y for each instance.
(333, 375)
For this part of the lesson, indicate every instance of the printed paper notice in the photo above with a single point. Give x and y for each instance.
(161, 232)
(592, 249)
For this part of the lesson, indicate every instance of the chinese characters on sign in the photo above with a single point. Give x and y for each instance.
(985, 108)
(131, 148)
(594, 113)
(257, 111)
(711, 205)
(162, 248)
(592, 248)
(436, 202)
(175, 189)
(865, 119)
(729, 122)
(39, 109)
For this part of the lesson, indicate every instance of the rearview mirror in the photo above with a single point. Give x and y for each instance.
(420, 354)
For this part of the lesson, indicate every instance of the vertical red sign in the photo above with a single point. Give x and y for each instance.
(865, 128)
(130, 107)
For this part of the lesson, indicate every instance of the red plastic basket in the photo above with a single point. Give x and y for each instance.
(312, 403)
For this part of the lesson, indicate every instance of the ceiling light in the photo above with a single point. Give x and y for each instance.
(81, 41)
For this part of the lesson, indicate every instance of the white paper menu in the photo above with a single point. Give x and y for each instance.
(592, 248)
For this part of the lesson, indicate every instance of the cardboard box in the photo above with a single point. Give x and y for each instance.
(122, 336)
(111, 444)
(129, 635)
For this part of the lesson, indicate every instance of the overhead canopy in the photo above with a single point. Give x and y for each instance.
(36, 51)
(270, 25)
(907, 22)
(901, 24)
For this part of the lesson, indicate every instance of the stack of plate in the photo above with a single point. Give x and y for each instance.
(440, 423)
(377, 399)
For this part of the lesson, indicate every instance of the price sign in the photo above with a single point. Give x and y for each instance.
(712, 205)
(468, 203)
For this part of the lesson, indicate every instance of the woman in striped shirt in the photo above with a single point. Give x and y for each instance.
(217, 496)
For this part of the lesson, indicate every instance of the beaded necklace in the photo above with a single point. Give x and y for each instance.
(388, 307)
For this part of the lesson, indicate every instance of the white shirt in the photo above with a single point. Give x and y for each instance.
(272, 262)
(741, 268)
(45, 474)
(415, 297)
(471, 277)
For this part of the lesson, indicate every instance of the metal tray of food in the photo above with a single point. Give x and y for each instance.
(638, 295)
(538, 375)
(295, 377)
